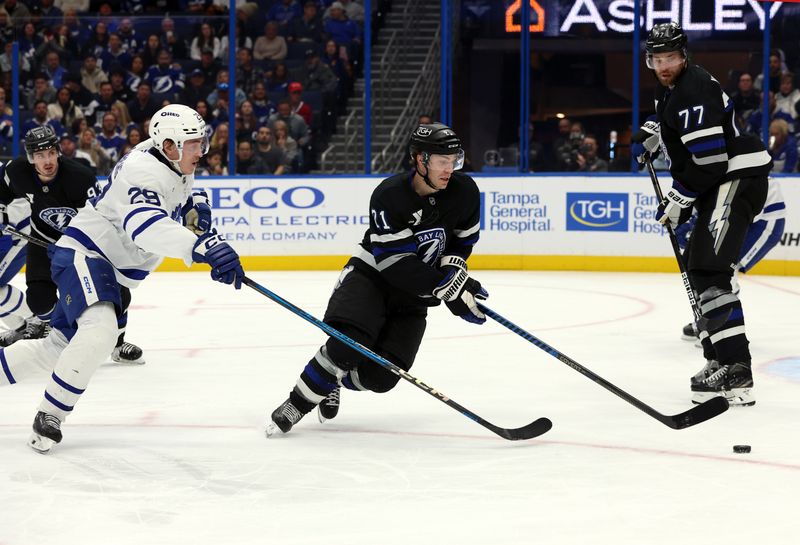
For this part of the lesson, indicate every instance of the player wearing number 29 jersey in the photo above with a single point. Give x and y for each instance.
(142, 214)
(136, 219)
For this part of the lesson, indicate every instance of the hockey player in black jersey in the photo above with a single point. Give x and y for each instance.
(423, 225)
(56, 188)
(721, 173)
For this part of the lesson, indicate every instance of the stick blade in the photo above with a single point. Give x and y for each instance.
(698, 414)
(536, 428)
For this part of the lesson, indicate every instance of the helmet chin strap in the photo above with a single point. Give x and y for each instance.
(424, 176)
(176, 163)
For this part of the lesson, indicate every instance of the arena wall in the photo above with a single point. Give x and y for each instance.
(541, 222)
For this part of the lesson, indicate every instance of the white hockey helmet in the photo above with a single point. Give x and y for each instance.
(178, 123)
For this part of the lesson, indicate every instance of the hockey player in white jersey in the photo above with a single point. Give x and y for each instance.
(116, 240)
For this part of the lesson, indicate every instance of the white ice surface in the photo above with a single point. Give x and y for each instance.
(173, 452)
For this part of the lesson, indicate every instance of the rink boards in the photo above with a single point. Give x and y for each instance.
(601, 223)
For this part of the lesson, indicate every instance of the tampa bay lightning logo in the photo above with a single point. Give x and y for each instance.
(58, 218)
(430, 245)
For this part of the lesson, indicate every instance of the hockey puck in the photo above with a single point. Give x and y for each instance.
(741, 448)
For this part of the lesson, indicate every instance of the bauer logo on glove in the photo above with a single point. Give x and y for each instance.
(676, 207)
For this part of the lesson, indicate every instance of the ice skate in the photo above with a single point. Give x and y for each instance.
(128, 354)
(36, 329)
(7, 338)
(734, 382)
(329, 407)
(708, 369)
(46, 432)
(690, 332)
(283, 418)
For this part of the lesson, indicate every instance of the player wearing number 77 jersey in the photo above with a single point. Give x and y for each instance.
(115, 241)
(724, 175)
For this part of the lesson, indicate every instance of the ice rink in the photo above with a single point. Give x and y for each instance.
(173, 452)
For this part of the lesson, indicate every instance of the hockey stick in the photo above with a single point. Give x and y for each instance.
(7, 229)
(703, 323)
(534, 429)
(697, 414)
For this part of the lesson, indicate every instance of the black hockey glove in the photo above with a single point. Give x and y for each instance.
(645, 142)
(460, 292)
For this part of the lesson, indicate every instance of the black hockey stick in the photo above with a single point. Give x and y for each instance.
(697, 414)
(7, 229)
(702, 322)
(534, 429)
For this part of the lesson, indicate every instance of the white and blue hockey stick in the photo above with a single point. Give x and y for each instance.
(534, 429)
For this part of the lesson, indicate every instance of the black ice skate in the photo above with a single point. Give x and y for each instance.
(46, 432)
(734, 382)
(128, 354)
(283, 418)
(36, 329)
(709, 369)
(689, 332)
(329, 407)
(7, 338)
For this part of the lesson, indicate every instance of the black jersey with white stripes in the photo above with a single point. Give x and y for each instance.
(408, 234)
(698, 129)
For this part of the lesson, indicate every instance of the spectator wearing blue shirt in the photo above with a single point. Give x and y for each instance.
(110, 138)
(754, 121)
(40, 118)
(283, 11)
(782, 147)
(165, 79)
(343, 31)
(53, 69)
(115, 54)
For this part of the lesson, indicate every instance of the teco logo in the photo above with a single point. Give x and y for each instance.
(515, 7)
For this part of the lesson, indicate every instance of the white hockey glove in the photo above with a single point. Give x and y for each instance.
(198, 217)
(460, 292)
(645, 142)
(676, 208)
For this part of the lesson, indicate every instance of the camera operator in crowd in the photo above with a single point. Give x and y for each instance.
(579, 152)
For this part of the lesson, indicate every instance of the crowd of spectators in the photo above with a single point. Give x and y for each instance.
(97, 77)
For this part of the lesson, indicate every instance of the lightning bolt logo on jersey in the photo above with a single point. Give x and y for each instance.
(718, 224)
(58, 218)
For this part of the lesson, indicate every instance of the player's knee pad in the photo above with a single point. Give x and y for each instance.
(702, 281)
(342, 355)
(377, 378)
(97, 328)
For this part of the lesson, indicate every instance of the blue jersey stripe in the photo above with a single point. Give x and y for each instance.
(139, 230)
(56, 402)
(68, 387)
(6, 370)
(717, 143)
(80, 236)
(139, 211)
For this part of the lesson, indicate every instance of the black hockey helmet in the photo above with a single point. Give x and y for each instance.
(436, 138)
(666, 37)
(40, 139)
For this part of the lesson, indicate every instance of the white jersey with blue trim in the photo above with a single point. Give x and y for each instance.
(136, 220)
(774, 207)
